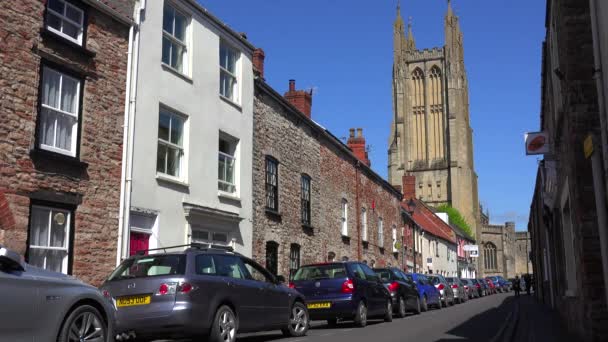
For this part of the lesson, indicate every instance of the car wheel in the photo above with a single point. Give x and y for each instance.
(418, 308)
(402, 311)
(332, 322)
(298, 321)
(84, 324)
(425, 304)
(388, 316)
(224, 325)
(361, 315)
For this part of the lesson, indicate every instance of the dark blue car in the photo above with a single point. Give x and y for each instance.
(429, 295)
(500, 283)
(343, 291)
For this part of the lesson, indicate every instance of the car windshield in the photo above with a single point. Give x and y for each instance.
(384, 274)
(315, 272)
(451, 280)
(149, 266)
(434, 280)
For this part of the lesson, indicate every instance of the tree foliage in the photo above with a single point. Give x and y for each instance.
(456, 218)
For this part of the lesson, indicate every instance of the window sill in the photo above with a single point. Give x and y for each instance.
(345, 238)
(381, 250)
(307, 226)
(46, 34)
(232, 103)
(228, 196)
(176, 72)
(161, 177)
(273, 214)
(44, 155)
(365, 244)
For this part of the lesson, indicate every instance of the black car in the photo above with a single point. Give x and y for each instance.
(343, 291)
(404, 292)
(202, 292)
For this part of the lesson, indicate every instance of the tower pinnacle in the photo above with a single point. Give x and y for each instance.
(411, 42)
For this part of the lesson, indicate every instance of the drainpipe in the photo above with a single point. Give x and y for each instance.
(596, 160)
(129, 128)
(357, 165)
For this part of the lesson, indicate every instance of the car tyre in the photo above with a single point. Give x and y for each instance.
(425, 304)
(388, 315)
(401, 310)
(361, 315)
(87, 319)
(332, 322)
(224, 325)
(418, 308)
(298, 321)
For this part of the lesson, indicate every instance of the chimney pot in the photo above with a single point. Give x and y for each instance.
(292, 85)
(300, 99)
(359, 132)
(258, 61)
(352, 132)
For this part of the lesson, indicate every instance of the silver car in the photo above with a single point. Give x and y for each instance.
(460, 293)
(42, 306)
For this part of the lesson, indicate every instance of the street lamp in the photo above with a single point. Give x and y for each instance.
(411, 207)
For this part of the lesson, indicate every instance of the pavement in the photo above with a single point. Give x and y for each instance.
(497, 318)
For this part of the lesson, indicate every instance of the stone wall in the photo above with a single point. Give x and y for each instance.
(89, 184)
(523, 248)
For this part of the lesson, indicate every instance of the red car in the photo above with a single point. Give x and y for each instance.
(491, 285)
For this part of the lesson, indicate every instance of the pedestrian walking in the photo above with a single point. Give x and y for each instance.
(517, 286)
(528, 283)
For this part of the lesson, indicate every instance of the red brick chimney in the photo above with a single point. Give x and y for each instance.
(357, 145)
(301, 99)
(409, 187)
(258, 61)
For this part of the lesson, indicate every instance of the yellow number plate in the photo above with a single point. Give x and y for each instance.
(319, 305)
(133, 300)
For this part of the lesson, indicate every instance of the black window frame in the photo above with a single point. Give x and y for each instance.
(294, 258)
(272, 257)
(305, 199)
(272, 190)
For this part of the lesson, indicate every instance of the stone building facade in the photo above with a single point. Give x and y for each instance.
(565, 216)
(522, 252)
(314, 200)
(431, 136)
(63, 68)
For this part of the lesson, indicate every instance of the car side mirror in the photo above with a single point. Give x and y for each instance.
(10, 260)
(280, 279)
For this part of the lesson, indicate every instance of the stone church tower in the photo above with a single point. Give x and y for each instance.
(431, 137)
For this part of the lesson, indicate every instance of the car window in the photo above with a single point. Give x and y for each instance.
(358, 272)
(230, 266)
(399, 275)
(205, 264)
(409, 277)
(256, 272)
(434, 280)
(423, 280)
(149, 266)
(369, 273)
(314, 272)
(385, 275)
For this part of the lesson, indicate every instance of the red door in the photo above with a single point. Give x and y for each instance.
(138, 242)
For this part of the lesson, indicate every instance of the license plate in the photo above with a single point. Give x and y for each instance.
(319, 305)
(133, 300)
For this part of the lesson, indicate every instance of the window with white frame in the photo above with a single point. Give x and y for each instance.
(49, 238)
(59, 110)
(394, 239)
(229, 66)
(65, 20)
(227, 164)
(364, 224)
(170, 153)
(175, 43)
(211, 237)
(344, 218)
(380, 233)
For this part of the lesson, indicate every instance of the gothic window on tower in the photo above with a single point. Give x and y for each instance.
(418, 125)
(436, 125)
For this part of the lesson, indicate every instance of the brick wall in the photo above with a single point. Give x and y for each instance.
(92, 189)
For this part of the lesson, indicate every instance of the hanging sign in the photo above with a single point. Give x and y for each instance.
(537, 143)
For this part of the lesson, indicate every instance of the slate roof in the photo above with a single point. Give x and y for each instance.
(426, 219)
(119, 9)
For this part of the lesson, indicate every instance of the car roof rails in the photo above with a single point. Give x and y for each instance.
(199, 246)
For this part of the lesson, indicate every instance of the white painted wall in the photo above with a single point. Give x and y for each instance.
(440, 264)
(196, 96)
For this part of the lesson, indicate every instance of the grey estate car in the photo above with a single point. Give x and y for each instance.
(201, 292)
(42, 306)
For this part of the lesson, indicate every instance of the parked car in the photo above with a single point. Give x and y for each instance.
(40, 305)
(491, 286)
(499, 283)
(202, 291)
(404, 292)
(343, 291)
(509, 284)
(482, 287)
(460, 294)
(428, 293)
(470, 288)
(447, 295)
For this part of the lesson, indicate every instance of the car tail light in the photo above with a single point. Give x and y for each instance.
(478, 286)
(292, 285)
(440, 287)
(348, 286)
(466, 287)
(166, 289)
(185, 288)
(454, 286)
(393, 286)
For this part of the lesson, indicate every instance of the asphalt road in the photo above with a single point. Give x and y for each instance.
(476, 320)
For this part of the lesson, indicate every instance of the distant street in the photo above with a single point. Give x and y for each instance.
(476, 320)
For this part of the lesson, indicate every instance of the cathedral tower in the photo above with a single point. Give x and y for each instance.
(431, 136)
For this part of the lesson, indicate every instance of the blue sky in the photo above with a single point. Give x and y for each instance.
(343, 49)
